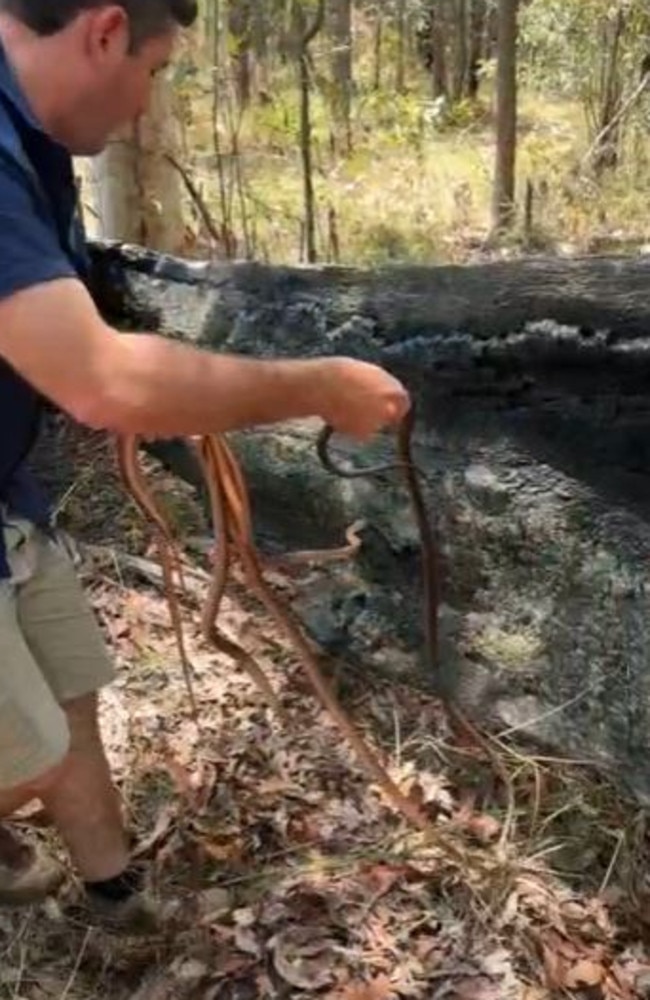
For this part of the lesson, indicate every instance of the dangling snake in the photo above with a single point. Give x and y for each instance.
(232, 525)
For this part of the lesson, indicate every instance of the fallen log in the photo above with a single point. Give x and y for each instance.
(203, 300)
(530, 378)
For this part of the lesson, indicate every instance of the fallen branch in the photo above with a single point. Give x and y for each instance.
(198, 200)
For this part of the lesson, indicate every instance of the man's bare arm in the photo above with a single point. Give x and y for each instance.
(143, 383)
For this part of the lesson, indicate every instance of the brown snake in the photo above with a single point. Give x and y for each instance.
(232, 525)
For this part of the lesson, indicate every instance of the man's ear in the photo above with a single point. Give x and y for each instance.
(107, 34)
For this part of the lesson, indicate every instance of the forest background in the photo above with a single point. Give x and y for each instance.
(361, 132)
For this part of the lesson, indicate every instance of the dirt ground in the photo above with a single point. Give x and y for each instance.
(331, 893)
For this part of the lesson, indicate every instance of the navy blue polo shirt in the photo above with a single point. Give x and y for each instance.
(41, 239)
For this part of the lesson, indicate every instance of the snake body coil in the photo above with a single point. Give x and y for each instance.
(232, 524)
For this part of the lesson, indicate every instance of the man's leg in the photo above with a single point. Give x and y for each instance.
(83, 802)
(80, 798)
(50, 744)
(55, 660)
(34, 739)
(63, 635)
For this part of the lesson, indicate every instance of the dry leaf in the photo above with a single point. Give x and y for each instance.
(378, 988)
(275, 786)
(510, 909)
(379, 934)
(553, 967)
(304, 958)
(382, 877)
(480, 825)
(222, 850)
(497, 963)
(305, 829)
(180, 775)
(584, 973)
(426, 949)
(476, 988)
(162, 826)
(484, 827)
(432, 789)
(247, 942)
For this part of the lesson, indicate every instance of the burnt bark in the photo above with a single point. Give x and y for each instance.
(530, 385)
(484, 300)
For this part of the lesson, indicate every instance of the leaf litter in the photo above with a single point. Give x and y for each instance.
(331, 894)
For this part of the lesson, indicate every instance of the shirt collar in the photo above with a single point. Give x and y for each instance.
(11, 89)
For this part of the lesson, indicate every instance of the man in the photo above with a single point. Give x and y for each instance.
(71, 72)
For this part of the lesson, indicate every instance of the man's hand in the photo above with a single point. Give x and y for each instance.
(360, 399)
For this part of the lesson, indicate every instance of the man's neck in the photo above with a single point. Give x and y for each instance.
(36, 64)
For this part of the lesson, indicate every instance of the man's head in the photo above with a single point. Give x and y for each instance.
(87, 65)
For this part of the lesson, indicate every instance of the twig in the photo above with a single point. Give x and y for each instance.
(20, 933)
(620, 114)
(216, 95)
(20, 974)
(547, 715)
(612, 864)
(197, 198)
(398, 737)
(151, 570)
(77, 965)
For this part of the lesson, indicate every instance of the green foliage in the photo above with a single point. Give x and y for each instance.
(563, 42)
(402, 119)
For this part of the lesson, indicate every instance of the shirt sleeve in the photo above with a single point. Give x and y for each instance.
(30, 251)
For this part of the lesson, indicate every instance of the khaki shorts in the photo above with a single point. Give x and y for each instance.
(51, 651)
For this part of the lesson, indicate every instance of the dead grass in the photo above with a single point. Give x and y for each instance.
(415, 190)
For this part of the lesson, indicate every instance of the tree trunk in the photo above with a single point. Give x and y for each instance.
(377, 49)
(137, 191)
(503, 209)
(438, 54)
(400, 66)
(606, 156)
(461, 49)
(261, 38)
(340, 31)
(115, 193)
(159, 182)
(306, 36)
(477, 43)
(240, 29)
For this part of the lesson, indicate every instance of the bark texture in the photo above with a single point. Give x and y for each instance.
(531, 384)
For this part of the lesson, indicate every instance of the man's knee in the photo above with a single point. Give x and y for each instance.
(32, 765)
(24, 780)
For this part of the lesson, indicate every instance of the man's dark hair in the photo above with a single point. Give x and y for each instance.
(147, 18)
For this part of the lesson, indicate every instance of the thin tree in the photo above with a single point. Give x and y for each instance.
(503, 203)
(461, 54)
(340, 31)
(306, 37)
(377, 47)
(400, 65)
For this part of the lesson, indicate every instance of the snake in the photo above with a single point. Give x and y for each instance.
(230, 513)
